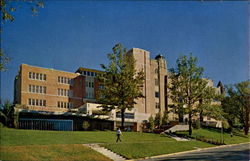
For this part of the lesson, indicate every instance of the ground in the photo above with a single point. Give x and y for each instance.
(68, 145)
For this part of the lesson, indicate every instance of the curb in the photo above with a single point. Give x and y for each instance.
(184, 152)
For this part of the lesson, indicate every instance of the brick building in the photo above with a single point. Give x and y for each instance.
(73, 94)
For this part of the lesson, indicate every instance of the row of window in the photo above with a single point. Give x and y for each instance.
(65, 80)
(37, 89)
(88, 73)
(37, 102)
(37, 76)
(64, 92)
(61, 104)
(89, 84)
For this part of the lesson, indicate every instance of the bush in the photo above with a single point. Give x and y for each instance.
(85, 125)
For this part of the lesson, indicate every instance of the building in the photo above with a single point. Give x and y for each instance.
(59, 93)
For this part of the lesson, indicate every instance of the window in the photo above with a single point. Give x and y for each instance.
(157, 105)
(88, 73)
(30, 103)
(30, 90)
(30, 75)
(37, 76)
(84, 73)
(41, 76)
(157, 94)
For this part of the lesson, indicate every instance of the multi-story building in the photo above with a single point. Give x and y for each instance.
(58, 92)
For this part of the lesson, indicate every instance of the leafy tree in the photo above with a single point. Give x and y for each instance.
(122, 83)
(237, 104)
(7, 8)
(207, 97)
(151, 123)
(187, 86)
(4, 60)
(158, 120)
(165, 120)
(6, 113)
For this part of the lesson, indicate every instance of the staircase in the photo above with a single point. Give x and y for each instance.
(105, 152)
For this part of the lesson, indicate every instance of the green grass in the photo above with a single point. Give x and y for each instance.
(216, 134)
(67, 145)
(50, 153)
(146, 149)
(13, 137)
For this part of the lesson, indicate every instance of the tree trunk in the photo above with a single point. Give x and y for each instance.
(181, 117)
(123, 118)
(190, 124)
(201, 116)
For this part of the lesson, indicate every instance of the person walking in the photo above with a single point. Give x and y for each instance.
(118, 134)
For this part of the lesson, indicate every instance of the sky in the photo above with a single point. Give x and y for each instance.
(66, 35)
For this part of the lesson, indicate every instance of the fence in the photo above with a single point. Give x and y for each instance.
(45, 124)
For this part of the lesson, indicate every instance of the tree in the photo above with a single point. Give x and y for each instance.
(158, 120)
(122, 83)
(237, 104)
(151, 123)
(7, 8)
(207, 97)
(4, 60)
(187, 86)
(7, 113)
(165, 120)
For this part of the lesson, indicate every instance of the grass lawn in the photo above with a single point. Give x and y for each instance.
(146, 149)
(216, 134)
(17, 144)
(60, 152)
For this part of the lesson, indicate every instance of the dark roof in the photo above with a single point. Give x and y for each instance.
(81, 69)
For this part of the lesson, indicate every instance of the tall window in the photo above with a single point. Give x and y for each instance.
(157, 94)
(37, 76)
(37, 89)
(36, 102)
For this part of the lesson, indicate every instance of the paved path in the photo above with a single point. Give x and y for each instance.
(105, 152)
(222, 153)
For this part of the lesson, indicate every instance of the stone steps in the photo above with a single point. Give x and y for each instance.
(105, 152)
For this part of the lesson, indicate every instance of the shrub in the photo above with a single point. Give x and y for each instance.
(85, 125)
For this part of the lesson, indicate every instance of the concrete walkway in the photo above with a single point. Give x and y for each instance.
(105, 152)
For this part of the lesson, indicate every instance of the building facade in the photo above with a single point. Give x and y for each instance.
(60, 92)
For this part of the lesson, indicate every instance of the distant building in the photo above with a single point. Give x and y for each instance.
(54, 95)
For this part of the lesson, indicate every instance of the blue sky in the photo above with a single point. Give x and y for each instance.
(68, 34)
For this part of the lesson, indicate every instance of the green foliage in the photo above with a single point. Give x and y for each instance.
(197, 124)
(85, 125)
(9, 6)
(236, 105)
(216, 134)
(4, 60)
(7, 113)
(158, 120)
(187, 86)
(122, 83)
(165, 119)
(151, 123)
